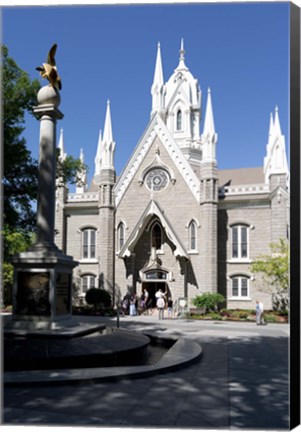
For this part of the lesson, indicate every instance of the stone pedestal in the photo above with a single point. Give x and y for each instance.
(42, 292)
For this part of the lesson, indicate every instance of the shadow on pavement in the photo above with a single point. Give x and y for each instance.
(240, 382)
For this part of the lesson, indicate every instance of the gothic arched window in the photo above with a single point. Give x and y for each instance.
(179, 120)
(156, 236)
(120, 235)
(192, 236)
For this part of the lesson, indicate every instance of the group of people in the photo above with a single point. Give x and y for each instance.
(132, 304)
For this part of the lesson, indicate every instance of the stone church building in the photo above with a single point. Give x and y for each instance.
(172, 219)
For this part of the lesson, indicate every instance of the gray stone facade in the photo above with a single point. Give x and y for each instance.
(172, 219)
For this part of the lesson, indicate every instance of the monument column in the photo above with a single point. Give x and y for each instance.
(42, 290)
(48, 113)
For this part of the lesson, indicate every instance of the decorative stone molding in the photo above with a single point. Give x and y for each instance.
(157, 128)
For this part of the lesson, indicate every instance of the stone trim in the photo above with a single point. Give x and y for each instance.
(155, 128)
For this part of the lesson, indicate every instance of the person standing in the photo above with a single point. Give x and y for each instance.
(146, 296)
(259, 313)
(169, 307)
(160, 303)
(133, 310)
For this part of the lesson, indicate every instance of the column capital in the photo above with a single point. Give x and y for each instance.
(49, 110)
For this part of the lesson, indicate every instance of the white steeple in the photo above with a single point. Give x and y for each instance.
(107, 142)
(209, 136)
(157, 89)
(98, 156)
(182, 103)
(106, 146)
(275, 161)
(61, 146)
(81, 186)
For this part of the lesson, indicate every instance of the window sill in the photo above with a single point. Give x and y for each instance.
(88, 261)
(240, 299)
(239, 261)
(193, 252)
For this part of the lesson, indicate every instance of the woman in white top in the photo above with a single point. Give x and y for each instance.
(160, 302)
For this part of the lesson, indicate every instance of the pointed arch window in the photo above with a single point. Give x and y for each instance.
(179, 120)
(192, 236)
(121, 235)
(157, 236)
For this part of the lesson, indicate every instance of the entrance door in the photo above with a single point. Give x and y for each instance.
(152, 288)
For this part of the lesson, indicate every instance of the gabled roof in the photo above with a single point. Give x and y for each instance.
(151, 210)
(156, 128)
(241, 176)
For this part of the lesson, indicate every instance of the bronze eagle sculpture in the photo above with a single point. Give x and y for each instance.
(49, 70)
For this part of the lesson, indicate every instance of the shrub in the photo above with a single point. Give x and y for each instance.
(243, 314)
(215, 316)
(225, 313)
(270, 318)
(98, 297)
(208, 301)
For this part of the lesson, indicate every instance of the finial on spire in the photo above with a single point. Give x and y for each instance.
(182, 57)
(182, 51)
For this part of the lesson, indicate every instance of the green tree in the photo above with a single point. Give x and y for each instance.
(20, 170)
(69, 170)
(273, 272)
(15, 242)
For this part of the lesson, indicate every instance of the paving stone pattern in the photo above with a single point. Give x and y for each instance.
(241, 382)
